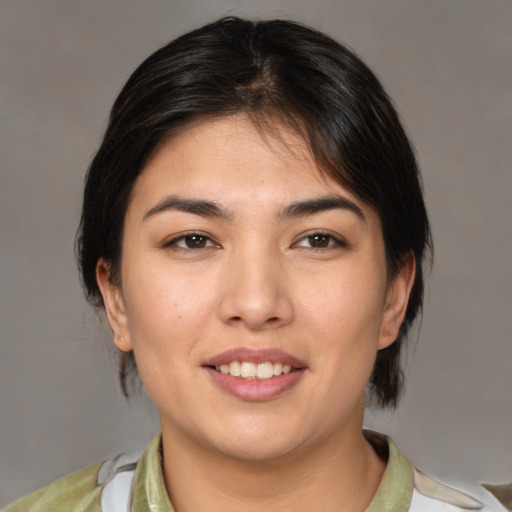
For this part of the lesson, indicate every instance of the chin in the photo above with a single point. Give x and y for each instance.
(257, 451)
(259, 441)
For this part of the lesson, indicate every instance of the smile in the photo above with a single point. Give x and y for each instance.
(248, 370)
(255, 375)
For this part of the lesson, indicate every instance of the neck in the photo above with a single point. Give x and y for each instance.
(337, 474)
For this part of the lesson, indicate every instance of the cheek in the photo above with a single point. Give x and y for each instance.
(344, 315)
(344, 303)
(166, 312)
(166, 321)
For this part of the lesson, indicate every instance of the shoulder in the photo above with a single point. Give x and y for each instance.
(405, 488)
(83, 491)
(77, 491)
(429, 495)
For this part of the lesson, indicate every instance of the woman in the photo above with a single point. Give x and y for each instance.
(254, 226)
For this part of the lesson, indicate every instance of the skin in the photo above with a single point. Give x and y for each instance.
(258, 280)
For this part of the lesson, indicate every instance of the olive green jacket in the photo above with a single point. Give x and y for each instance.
(118, 486)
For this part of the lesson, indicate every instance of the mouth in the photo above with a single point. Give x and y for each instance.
(255, 375)
(249, 371)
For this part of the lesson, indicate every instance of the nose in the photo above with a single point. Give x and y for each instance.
(256, 292)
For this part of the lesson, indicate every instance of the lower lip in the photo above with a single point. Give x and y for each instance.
(256, 390)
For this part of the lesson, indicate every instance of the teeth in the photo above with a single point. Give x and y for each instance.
(235, 368)
(247, 370)
(265, 371)
(278, 368)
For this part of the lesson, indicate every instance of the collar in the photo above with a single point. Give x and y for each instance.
(393, 494)
(148, 489)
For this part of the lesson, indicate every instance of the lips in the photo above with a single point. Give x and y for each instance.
(255, 375)
(255, 356)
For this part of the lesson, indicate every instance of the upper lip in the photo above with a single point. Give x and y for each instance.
(256, 356)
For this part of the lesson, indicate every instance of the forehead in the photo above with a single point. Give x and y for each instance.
(231, 158)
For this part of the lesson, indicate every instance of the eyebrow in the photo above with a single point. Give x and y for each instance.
(196, 206)
(211, 209)
(320, 204)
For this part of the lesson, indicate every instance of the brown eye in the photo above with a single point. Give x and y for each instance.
(195, 241)
(319, 241)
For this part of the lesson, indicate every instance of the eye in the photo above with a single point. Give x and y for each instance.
(191, 241)
(320, 240)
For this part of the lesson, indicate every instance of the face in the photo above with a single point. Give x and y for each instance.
(253, 291)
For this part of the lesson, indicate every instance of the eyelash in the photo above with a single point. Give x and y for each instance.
(174, 243)
(332, 241)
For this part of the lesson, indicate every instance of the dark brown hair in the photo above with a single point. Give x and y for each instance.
(269, 70)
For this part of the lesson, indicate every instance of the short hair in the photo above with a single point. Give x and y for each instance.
(268, 70)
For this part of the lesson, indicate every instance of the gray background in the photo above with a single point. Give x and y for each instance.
(447, 64)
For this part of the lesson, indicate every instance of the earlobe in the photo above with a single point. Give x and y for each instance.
(397, 299)
(114, 306)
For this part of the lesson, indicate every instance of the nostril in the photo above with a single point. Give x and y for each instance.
(271, 320)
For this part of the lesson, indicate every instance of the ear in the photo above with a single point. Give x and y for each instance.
(397, 299)
(114, 306)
